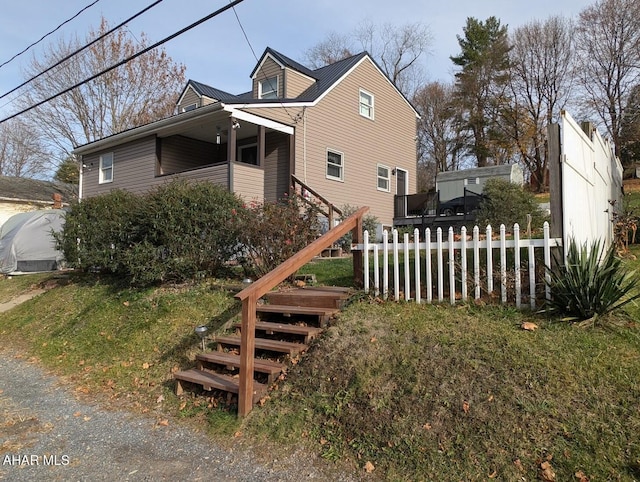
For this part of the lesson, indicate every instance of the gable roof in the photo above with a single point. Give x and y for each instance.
(24, 189)
(211, 92)
(282, 60)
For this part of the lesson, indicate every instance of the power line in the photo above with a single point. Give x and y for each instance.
(82, 48)
(47, 34)
(128, 59)
(246, 37)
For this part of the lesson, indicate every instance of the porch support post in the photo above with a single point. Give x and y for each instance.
(231, 152)
(358, 274)
(261, 145)
(292, 162)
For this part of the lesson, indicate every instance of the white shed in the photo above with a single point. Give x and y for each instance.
(451, 184)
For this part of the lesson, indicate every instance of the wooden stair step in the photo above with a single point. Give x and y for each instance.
(271, 368)
(309, 332)
(286, 347)
(216, 381)
(308, 298)
(323, 314)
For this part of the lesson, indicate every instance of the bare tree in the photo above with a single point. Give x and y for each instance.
(140, 91)
(21, 153)
(542, 77)
(608, 43)
(440, 142)
(397, 49)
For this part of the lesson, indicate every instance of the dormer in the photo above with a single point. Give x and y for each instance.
(278, 77)
(197, 94)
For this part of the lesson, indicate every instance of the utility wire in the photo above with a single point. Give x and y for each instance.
(128, 59)
(47, 34)
(81, 48)
(246, 37)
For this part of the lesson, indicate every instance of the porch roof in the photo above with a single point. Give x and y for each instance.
(205, 119)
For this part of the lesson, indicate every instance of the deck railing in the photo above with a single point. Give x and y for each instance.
(305, 192)
(250, 295)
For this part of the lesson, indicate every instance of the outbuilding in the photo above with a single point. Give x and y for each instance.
(451, 184)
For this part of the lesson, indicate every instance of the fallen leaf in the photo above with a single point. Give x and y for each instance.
(518, 465)
(465, 406)
(126, 303)
(547, 473)
(490, 399)
(527, 325)
(182, 405)
(493, 475)
(86, 419)
(160, 399)
(145, 366)
(581, 477)
(77, 414)
(427, 426)
(164, 422)
(373, 339)
(369, 467)
(237, 434)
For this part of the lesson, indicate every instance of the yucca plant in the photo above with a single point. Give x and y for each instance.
(592, 283)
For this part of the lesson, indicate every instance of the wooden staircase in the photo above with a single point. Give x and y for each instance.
(286, 322)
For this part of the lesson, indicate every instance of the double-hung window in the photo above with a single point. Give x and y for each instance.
(384, 179)
(335, 165)
(106, 168)
(268, 88)
(366, 104)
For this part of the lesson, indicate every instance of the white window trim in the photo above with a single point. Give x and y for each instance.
(190, 107)
(388, 178)
(406, 179)
(101, 179)
(329, 176)
(371, 107)
(277, 86)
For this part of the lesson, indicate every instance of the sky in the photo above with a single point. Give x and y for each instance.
(217, 53)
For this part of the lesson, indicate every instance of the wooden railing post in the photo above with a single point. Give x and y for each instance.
(247, 349)
(358, 267)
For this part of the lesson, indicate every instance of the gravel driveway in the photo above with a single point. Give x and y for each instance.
(47, 434)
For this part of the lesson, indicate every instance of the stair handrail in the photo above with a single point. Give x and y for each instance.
(250, 295)
(331, 209)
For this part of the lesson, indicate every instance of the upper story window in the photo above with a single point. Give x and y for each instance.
(106, 168)
(189, 107)
(471, 180)
(366, 104)
(335, 165)
(268, 88)
(384, 179)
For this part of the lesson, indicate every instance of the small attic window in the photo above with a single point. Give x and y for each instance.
(189, 107)
(268, 88)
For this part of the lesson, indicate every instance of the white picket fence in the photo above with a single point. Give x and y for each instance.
(460, 255)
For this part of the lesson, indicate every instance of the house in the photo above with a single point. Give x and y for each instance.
(343, 132)
(21, 195)
(451, 184)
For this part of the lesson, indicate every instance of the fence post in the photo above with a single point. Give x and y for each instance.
(248, 343)
(366, 261)
(358, 269)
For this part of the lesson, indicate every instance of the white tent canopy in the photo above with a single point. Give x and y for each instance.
(27, 244)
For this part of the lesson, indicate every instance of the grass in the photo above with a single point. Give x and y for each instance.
(422, 392)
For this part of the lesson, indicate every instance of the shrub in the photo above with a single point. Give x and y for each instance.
(591, 283)
(99, 230)
(507, 203)
(272, 232)
(180, 231)
(369, 223)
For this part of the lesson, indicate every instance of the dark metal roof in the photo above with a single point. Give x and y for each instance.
(36, 190)
(211, 92)
(284, 60)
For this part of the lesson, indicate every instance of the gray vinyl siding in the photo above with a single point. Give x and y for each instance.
(269, 69)
(276, 178)
(295, 83)
(179, 153)
(134, 167)
(190, 97)
(248, 181)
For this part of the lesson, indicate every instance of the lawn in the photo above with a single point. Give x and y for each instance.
(412, 392)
